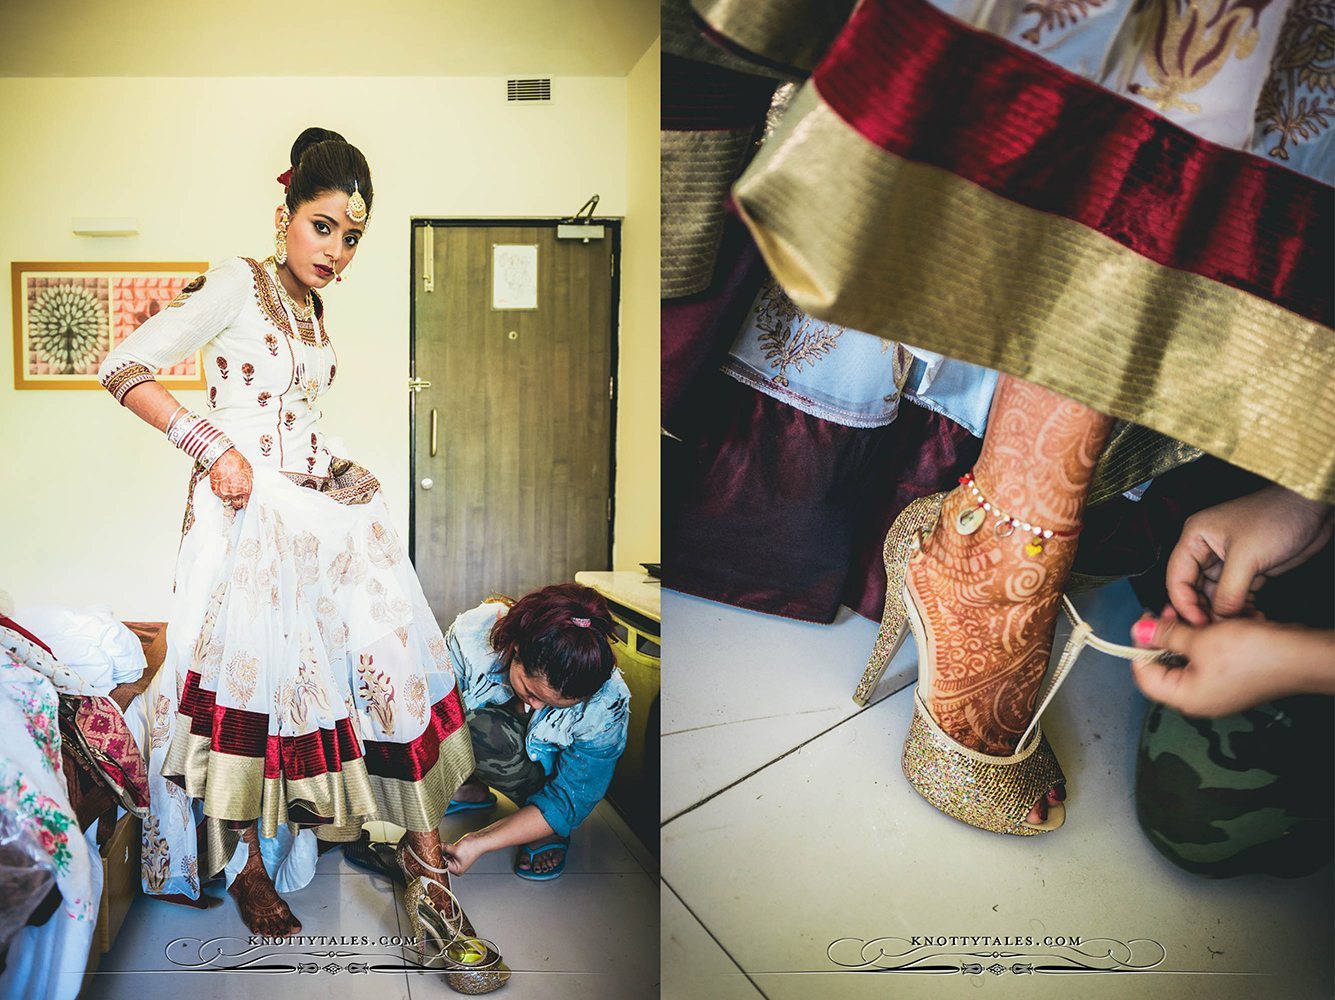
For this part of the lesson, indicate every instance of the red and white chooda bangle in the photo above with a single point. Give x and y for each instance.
(198, 438)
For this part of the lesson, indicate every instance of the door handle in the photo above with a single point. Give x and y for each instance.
(433, 432)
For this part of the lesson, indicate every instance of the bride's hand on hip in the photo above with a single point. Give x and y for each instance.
(232, 479)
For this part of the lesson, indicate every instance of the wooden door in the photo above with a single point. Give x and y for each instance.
(518, 492)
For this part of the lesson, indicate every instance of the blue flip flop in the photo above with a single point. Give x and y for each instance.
(547, 876)
(456, 806)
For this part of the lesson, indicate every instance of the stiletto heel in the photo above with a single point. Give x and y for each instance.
(991, 792)
(900, 542)
(472, 965)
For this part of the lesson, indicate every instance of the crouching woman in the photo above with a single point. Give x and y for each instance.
(547, 711)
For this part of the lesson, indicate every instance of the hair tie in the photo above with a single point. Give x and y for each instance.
(285, 178)
(581, 622)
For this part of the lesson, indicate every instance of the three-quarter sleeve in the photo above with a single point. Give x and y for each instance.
(584, 769)
(205, 307)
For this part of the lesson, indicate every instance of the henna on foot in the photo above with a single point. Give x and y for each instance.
(993, 597)
(262, 909)
(427, 846)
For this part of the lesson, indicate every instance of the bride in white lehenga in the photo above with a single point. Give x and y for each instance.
(306, 683)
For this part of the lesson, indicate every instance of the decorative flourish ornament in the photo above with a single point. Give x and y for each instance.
(280, 236)
(356, 209)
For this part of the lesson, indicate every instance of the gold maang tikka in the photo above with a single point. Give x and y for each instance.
(357, 207)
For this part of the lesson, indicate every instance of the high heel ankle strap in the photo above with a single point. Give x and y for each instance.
(439, 871)
(1082, 635)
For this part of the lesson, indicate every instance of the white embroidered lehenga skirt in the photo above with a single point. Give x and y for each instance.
(306, 680)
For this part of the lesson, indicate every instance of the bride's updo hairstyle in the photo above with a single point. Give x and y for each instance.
(561, 634)
(324, 161)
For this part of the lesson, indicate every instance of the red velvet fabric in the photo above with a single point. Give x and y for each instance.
(246, 734)
(702, 97)
(784, 513)
(927, 88)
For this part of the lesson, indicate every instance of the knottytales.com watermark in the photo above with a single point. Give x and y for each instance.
(332, 941)
(993, 941)
(997, 954)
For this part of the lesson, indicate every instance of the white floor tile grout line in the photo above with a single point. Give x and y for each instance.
(685, 906)
(787, 753)
(757, 718)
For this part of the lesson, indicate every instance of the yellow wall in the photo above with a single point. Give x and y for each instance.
(637, 488)
(90, 497)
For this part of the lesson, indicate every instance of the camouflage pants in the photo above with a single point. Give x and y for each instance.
(498, 748)
(1242, 794)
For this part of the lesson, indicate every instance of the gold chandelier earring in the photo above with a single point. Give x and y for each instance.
(280, 236)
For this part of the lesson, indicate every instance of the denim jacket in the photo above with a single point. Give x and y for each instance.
(578, 746)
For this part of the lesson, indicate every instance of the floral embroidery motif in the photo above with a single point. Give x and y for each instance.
(156, 860)
(161, 721)
(190, 871)
(332, 369)
(271, 342)
(194, 285)
(1055, 15)
(306, 551)
(210, 663)
(306, 691)
(790, 337)
(50, 822)
(248, 373)
(333, 631)
(1191, 41)
(348, 568)
(378, 692)
(289, 418)
(440, 652)
(382, 546)
(242, 672)
(213, 397)
(222, 366)
(414, 696)
(393, 612)
(263, 398)
(40, 719)
(266, 444)
(1292, 104)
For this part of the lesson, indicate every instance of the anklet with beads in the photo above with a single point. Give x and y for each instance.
(970, 519)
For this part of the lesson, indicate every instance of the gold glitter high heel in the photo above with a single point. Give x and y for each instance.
(472, 965)
(900, 541)
(990, 792)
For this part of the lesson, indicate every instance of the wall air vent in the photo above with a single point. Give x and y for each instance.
(528, 91)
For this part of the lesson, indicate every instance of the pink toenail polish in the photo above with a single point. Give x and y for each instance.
(1143, 631)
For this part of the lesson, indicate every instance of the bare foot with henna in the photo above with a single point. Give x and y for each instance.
(263, 910)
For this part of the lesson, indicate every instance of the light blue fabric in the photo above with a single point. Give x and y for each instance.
(840, 375)
(578, 747)
(955, 389)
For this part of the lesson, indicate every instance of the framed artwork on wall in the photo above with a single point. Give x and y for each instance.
(69, 315)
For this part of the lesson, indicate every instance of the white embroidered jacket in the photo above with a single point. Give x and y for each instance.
(265, 369)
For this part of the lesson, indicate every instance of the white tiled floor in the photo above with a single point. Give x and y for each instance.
(592, 933)
(788, 826)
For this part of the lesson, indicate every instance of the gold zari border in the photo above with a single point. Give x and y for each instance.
(911, 252)
(792, 33)
(233, 787)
